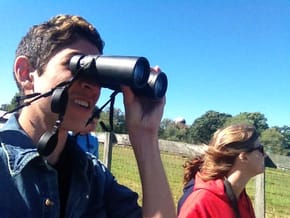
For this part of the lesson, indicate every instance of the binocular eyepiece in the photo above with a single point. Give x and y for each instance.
(113, 71)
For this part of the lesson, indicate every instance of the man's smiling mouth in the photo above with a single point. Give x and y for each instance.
(82, 103)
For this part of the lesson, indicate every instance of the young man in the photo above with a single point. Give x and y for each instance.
(67, 182)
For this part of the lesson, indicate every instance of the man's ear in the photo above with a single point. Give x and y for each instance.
(23, 74)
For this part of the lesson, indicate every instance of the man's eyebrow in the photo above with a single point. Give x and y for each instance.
(68, 56)
(75, 53)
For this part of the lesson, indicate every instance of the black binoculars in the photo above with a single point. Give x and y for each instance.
(113, 71)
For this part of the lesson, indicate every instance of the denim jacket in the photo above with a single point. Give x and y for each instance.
(29, 185)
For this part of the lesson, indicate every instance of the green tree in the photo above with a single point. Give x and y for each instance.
(273, 141)
(119, 125)
(238, 119)
(285, 132)
(13, 103)
(256, 119)
(164, 125)
(203, 127)
(169, 130)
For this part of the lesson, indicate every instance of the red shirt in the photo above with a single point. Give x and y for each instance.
(209, 199)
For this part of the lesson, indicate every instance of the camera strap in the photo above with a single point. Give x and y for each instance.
(111, 116)
(232, 198)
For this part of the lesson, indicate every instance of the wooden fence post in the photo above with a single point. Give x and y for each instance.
(108, 144)
(260, 196)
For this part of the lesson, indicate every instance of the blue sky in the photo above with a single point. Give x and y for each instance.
(222, 55)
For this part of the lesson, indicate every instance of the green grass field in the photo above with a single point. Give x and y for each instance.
(277, 181)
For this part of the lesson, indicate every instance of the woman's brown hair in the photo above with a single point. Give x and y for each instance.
(224, 147)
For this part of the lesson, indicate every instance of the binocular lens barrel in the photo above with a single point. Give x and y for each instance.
(140, 73)
(156, 86)
(114, 71)
(160, 84)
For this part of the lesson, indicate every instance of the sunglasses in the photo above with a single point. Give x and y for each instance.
(260, 148)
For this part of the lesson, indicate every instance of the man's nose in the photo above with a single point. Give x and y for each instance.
(88, 85)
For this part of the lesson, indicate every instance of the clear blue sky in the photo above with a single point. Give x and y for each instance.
(222, 55)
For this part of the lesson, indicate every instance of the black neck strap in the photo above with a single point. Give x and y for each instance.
(232, 198)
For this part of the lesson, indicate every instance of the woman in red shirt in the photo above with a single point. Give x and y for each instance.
(233, 157)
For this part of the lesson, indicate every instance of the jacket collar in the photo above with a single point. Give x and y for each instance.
(20, 149)
(12, 133)
(17, 146)
(215, 186)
